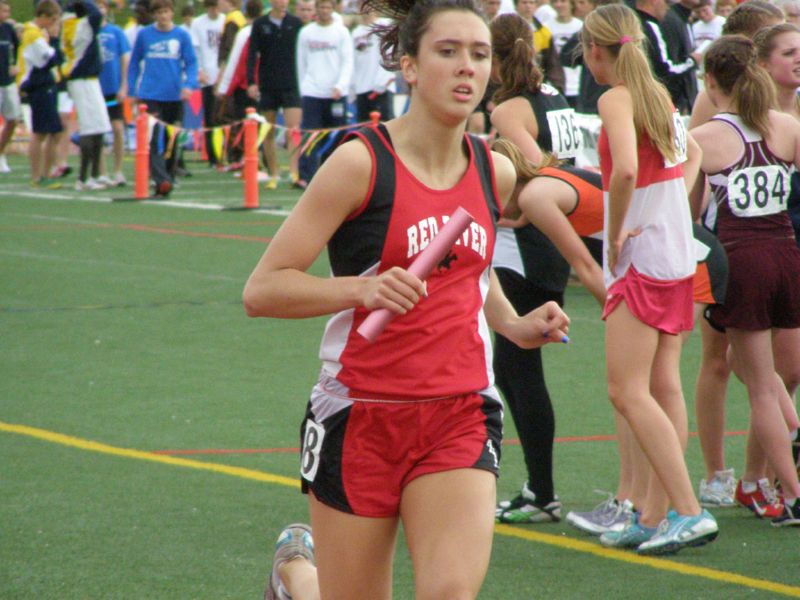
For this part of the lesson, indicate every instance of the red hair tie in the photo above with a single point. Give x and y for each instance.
(624, 39)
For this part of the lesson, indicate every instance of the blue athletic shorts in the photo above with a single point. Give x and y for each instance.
(44, 110)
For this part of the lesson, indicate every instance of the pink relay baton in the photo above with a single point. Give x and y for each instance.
(422, 266)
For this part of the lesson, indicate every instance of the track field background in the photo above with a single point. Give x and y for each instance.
(149, 430)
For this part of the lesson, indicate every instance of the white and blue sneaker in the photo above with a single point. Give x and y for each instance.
(677, 532)
(294, 541)
(719, 491)
(631, 536)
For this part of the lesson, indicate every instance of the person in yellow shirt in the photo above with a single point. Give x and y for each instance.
(37, 58)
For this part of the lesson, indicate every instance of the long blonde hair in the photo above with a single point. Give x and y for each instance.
(526, 170)
(616, 28)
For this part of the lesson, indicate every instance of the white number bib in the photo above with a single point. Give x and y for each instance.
(567, 137)
(758, 191)
(309, 453)
(680, 141)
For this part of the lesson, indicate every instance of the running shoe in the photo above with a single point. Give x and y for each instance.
(60, 172)
(119, 180)
(677, 532)
(4, 168)
(609, 515)
(163, 189)
(631, 535)
(790, 516)
(719, 491)
(105, 180)
(90, 185)
(295, 541)
(525, 508)
(46, 183)
(272, 183)
(515, 502)
(763, 501)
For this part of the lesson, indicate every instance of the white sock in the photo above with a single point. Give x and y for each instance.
(748, 487)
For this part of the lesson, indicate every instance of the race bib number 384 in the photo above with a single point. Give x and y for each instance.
(758, 191)
(566, 136)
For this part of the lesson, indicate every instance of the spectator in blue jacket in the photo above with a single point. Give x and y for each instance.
(115, 52)
(163, 74)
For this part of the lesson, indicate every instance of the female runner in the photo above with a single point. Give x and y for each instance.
(648, 267)
(407, 428)
(749, 150)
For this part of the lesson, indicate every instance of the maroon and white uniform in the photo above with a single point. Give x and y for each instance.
(753, 225)
(421, 398)
(655, 268)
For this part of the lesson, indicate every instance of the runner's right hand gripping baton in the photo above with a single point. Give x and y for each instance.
(422, 266)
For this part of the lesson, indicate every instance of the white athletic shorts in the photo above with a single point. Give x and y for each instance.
(90, 106)
(65, 104)
(10, 106)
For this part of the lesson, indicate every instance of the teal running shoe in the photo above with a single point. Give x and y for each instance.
(677, 532)
(631, 536)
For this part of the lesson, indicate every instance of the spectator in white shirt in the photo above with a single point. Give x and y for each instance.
(372, 84)
(563, 27)
(206, 32)
(707, 27)
(324, 69)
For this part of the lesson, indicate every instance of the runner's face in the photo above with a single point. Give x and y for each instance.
(5, 12)
(452, 67)
(783, 64)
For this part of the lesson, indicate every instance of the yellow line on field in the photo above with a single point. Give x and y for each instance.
(68, 440)
(505, 530)
(647, 561)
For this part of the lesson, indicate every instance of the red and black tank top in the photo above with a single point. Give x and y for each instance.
(396, 221)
